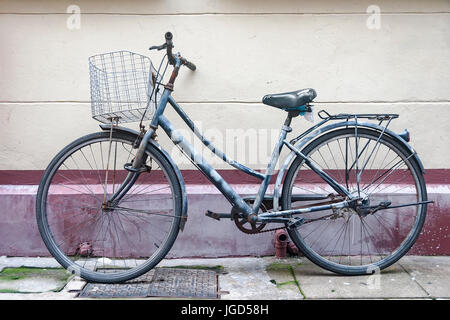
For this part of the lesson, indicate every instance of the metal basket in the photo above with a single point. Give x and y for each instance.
(122, 86)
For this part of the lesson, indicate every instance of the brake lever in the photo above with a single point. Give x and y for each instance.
(159, 48)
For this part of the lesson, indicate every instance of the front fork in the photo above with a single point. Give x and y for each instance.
(135, 168)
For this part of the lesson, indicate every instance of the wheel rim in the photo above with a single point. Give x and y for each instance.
(97, 242)
(348, 240)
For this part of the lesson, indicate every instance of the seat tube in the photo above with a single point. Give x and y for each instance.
(271, 166)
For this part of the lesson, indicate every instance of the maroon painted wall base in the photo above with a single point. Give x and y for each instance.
(202, 237)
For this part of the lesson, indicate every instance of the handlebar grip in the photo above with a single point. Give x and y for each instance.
(190, 65)
(168, 36)
(169, 43)
(169, 46)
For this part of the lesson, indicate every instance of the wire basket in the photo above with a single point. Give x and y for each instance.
(122, 87)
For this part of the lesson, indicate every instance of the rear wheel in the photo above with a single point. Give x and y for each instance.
(350, 241)
(101, 242)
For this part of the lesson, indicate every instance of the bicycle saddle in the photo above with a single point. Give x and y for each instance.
(289, 100)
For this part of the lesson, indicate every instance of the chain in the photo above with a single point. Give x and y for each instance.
(269, 230)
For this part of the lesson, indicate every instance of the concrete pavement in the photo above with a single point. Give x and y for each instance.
(413, 277)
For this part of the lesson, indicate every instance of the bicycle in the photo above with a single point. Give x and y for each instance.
(351, 193)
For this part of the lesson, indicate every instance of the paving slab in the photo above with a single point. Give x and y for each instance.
(392, 282)
(244, 285)
(36, 262)
(75, 285)
(282, 274)
(431, 273)
(63, 295)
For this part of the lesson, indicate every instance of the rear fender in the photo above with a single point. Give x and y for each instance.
(135, 134)
(291, 156)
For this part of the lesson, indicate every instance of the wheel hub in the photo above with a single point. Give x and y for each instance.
(106, 207)
(361, 204)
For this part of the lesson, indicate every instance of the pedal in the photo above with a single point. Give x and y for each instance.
(217, 216)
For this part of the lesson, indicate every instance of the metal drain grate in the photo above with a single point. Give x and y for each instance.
(168, 282)
(160, 282)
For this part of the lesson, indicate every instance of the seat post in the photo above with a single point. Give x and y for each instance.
(288, 120)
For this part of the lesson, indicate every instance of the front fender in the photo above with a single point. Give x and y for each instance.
(314, 134)
(134, 133)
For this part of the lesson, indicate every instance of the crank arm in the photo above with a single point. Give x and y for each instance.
(218, 216)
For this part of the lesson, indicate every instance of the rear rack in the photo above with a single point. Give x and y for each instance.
(325, 116)
(347, 116)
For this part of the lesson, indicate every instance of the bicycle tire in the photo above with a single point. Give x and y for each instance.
(48, 234)
(406, 244)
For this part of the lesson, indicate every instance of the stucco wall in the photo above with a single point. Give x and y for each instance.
(243, 50)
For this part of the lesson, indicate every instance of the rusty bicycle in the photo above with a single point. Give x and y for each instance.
(351, 193)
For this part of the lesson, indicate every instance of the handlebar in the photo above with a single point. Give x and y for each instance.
(188, 64)
(168, 45)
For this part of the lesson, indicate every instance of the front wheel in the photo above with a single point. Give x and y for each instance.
(89, 236)
(378, 170)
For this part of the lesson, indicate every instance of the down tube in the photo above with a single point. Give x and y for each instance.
(200, 162)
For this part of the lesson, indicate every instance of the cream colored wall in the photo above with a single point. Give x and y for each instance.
(243, 50)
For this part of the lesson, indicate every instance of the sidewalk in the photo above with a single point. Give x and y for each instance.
(413, 277)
